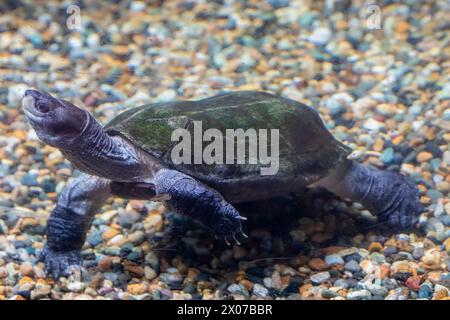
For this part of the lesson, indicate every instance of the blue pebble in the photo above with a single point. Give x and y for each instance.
(333, 259)
(135, 256)
(354, 256)
(445, 279)
(352, 266)
(425, 291)
(341, 283)
(445, 219)
(434, 194)
(387, 156)
(415, 110)
(31, 250)
(36, 39)
(111, 276)
(399, 117)
(29, 180)
(231, 23)
(435, 164)
(307, 19)
(94, 238)
(4, 170)
(276, 4)
(49, 185)
(446, 115)
(334, 106)
(111, 251)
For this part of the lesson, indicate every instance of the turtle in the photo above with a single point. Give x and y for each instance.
(131, 157)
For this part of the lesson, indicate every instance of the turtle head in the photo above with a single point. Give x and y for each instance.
(55, 121)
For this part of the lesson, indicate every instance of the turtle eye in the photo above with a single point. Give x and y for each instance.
(42, 107)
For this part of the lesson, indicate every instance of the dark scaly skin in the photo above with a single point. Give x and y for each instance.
(69, 222)
(192, 198)
(389, 195)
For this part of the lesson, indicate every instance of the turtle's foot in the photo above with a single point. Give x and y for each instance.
(404, 207)
(61, 263)
(226, 226)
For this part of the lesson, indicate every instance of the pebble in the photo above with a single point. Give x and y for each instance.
(76, 286)
(372, 124)
(320, 36)
(260, 291)
(26, 269)
(237, 288)
(137, 288)
(109, 234)
(94, 237)
(367, 266)
(15, 94)
(150, 274)
(431, 258)
(359, 295)
(413, 283)
(128, 218)
(352, 266)
(440, 292)
(318, 264)
(40, 291)
(376, 289)
(375, 246)
(387, 156)
(152, 259)
(328, 294)
(29, 180)
(338, 103)
(334, 259)
(320, 277)
(424, 156)
(425, 291)
(105, 263)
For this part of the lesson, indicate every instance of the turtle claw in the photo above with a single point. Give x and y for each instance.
(61, 263)
(236, 240)
(227, 242)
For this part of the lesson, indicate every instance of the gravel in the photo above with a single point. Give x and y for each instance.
(384, 93)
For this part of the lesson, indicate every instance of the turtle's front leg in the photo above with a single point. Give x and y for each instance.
(192, 198)
(69, 222)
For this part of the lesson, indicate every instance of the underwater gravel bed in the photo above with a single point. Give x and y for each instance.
(385, 93)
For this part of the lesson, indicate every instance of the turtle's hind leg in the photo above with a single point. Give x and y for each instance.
(390, 196)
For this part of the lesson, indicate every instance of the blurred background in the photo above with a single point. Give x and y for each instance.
(378, 73)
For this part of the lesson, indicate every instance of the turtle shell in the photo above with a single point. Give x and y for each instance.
(307, 150)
